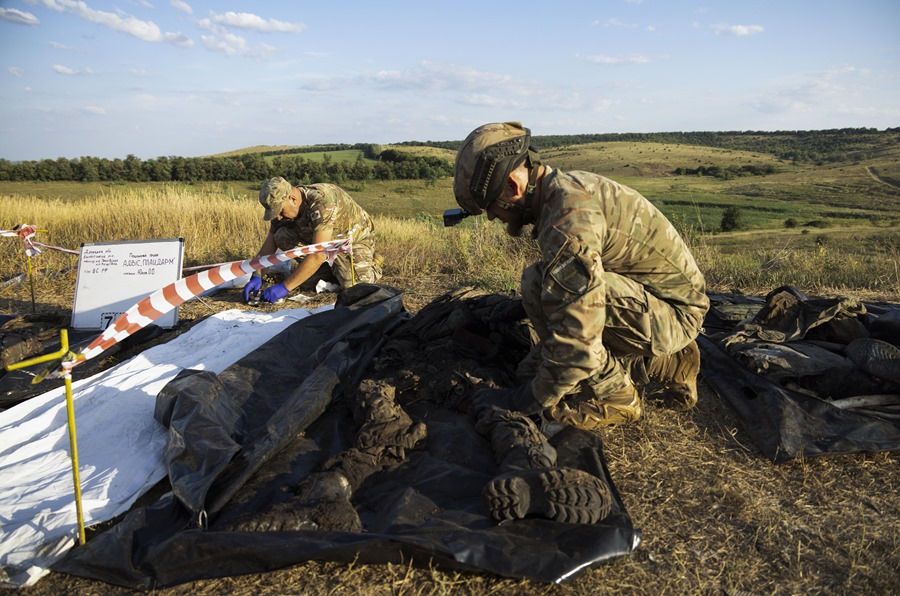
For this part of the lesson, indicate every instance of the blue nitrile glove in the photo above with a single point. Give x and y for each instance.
(519, 399)
(274, 293)
(252, 287)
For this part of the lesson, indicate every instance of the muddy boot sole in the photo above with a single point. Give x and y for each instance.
(561, 494)
(877, 358)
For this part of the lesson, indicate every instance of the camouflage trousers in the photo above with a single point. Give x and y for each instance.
(364, 266)
(638, 326)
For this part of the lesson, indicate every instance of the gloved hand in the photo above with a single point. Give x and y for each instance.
(274, 293)
(519, 399)
(252, 287)
(506, 312)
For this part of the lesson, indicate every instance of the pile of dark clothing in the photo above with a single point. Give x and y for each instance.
(351, 435)
(808, 375)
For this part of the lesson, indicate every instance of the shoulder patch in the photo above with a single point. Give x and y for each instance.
(571, 274)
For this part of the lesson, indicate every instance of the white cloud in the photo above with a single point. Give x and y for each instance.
(145, 30)
(59, 46)
(618, 23)
(246, 20)
(16, 71)
(182, 6)
(614, 60)
(462, 85)
(139, 72)
(229, 43)
(805, 92)
(95, 110)
(178, 39)
(737, 30)
(64, 69)
(435, 77)
(18, 16)
(491, 101)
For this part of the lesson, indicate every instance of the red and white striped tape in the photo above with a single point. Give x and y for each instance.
(26, 233)
(171, 296)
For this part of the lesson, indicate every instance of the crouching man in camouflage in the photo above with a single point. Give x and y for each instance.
(616, 298)
(303, 215)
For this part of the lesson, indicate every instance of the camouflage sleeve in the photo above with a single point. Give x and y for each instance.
(573, 298)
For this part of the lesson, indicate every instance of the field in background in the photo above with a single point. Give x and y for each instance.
(828, 228)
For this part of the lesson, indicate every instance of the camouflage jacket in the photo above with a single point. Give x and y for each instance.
(327, 206)
(589, 225)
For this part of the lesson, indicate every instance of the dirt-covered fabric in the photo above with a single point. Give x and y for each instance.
(808, 375)
(367, 449)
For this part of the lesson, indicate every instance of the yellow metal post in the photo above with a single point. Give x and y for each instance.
(31, 283)
(352, 265)
(64, 354)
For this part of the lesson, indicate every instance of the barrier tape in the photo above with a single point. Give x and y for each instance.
(26, 233)
(171, 296)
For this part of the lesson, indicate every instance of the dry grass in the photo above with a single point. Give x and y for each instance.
(716, 516)
(219, 225)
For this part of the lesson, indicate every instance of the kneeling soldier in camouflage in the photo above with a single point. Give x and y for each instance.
(303, 215)
(616, 298)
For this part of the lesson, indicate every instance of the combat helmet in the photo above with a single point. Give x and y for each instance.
(485, 160)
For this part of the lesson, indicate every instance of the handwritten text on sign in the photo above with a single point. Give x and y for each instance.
(114, 276)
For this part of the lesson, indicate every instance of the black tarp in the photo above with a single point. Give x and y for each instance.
(241, 441)
(782, 422)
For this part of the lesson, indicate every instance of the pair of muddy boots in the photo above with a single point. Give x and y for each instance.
(529, 482)
(670, 379)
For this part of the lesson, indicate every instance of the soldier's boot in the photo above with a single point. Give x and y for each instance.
(616, 407)
(676, 375)
(563, 494)
(517, 442)
(875, 357)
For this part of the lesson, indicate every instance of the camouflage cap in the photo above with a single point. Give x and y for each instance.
(484, 162)
(272, 194)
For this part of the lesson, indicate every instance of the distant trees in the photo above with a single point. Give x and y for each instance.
(728, 172)
(818, 146)
(392, 165)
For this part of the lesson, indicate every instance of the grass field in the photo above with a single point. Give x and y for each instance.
(716, 516)
(844, 234)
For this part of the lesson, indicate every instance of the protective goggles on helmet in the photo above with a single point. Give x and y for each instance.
(493, 166)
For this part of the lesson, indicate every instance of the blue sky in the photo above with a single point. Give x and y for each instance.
(191, 77)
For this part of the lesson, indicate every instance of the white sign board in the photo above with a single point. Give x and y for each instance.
(114, 276)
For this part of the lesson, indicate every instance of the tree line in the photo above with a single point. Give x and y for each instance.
(390, 165)
(375, 163)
